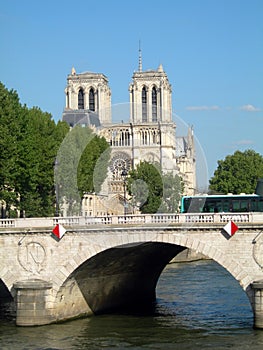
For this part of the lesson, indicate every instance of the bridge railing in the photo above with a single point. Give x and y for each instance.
(220, 217)
(187, 218)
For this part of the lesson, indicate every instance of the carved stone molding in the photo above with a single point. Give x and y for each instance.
(32, 256)
(258, 249)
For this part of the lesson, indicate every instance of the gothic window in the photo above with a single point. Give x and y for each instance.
(67, 99)
(92, 100)
(142, 137)
(154, 104)
(119, 162)
(81, 99)
(154, 138)
(145, 139)
(144, 105)
(122, 139)
(127, 138)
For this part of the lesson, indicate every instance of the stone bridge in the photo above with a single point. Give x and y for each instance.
(113, 263)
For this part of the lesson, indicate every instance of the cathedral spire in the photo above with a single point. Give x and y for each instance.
(140, 57)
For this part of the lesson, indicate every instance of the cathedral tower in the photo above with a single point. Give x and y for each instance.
(150, 96)
(151, 117)
(88, 99)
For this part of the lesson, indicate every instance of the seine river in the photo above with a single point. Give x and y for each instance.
(199, 306)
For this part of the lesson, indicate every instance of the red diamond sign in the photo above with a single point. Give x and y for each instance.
(59, 231)
(231, 228)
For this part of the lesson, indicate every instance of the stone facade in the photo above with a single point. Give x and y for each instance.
(88, 92)
(148, 135)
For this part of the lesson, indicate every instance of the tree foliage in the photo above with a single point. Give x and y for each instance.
(146, 187)
(237, 173)
(93, 165)
(172, 191)
(82, 162)
(10, 133)
(29, 140)
(66, 170)
(153, 191)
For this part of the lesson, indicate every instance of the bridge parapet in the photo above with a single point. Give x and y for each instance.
(187, 218)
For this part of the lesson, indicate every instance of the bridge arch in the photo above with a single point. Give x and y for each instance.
(5, 293)
(108, 273)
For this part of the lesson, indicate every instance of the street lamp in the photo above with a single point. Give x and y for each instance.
(124, 175)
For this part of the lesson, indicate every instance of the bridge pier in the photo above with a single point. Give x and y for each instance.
(33, 302)
(257, 286)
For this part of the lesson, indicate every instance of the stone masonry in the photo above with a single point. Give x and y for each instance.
(100, 268)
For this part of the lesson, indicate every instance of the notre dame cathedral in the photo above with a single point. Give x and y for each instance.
(148, 134)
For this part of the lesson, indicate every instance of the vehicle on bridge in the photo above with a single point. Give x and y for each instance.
(222, 203)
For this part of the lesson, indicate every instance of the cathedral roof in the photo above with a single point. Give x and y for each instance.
(90, 73)
(150, 73)
(87, 74)
(81, 117)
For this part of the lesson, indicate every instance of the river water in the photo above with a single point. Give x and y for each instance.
(199, 306)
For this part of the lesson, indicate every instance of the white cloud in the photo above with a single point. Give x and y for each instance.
(249, 108)
(244, 142)
(203, 108)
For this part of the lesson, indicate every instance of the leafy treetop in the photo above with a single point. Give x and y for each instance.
(237, 173)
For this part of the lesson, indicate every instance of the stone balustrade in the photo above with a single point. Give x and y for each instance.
(188, 218)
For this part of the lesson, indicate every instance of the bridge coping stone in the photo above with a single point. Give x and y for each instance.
(33, 284)
(257, 284)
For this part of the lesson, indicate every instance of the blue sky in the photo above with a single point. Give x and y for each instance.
(211, 50)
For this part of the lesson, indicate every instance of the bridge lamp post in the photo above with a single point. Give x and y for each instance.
(124, 175)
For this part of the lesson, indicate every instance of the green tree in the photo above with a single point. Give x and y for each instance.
(67, 160)
(37, 153)
(237, 173)
(172, 191)
(11, 132)
(146, 187)
(81, 155)
(29, 140)
(93, 164)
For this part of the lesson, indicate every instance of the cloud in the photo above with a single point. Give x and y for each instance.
(246, 108)
(244, 142)
(249, 108)
(203, 108)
